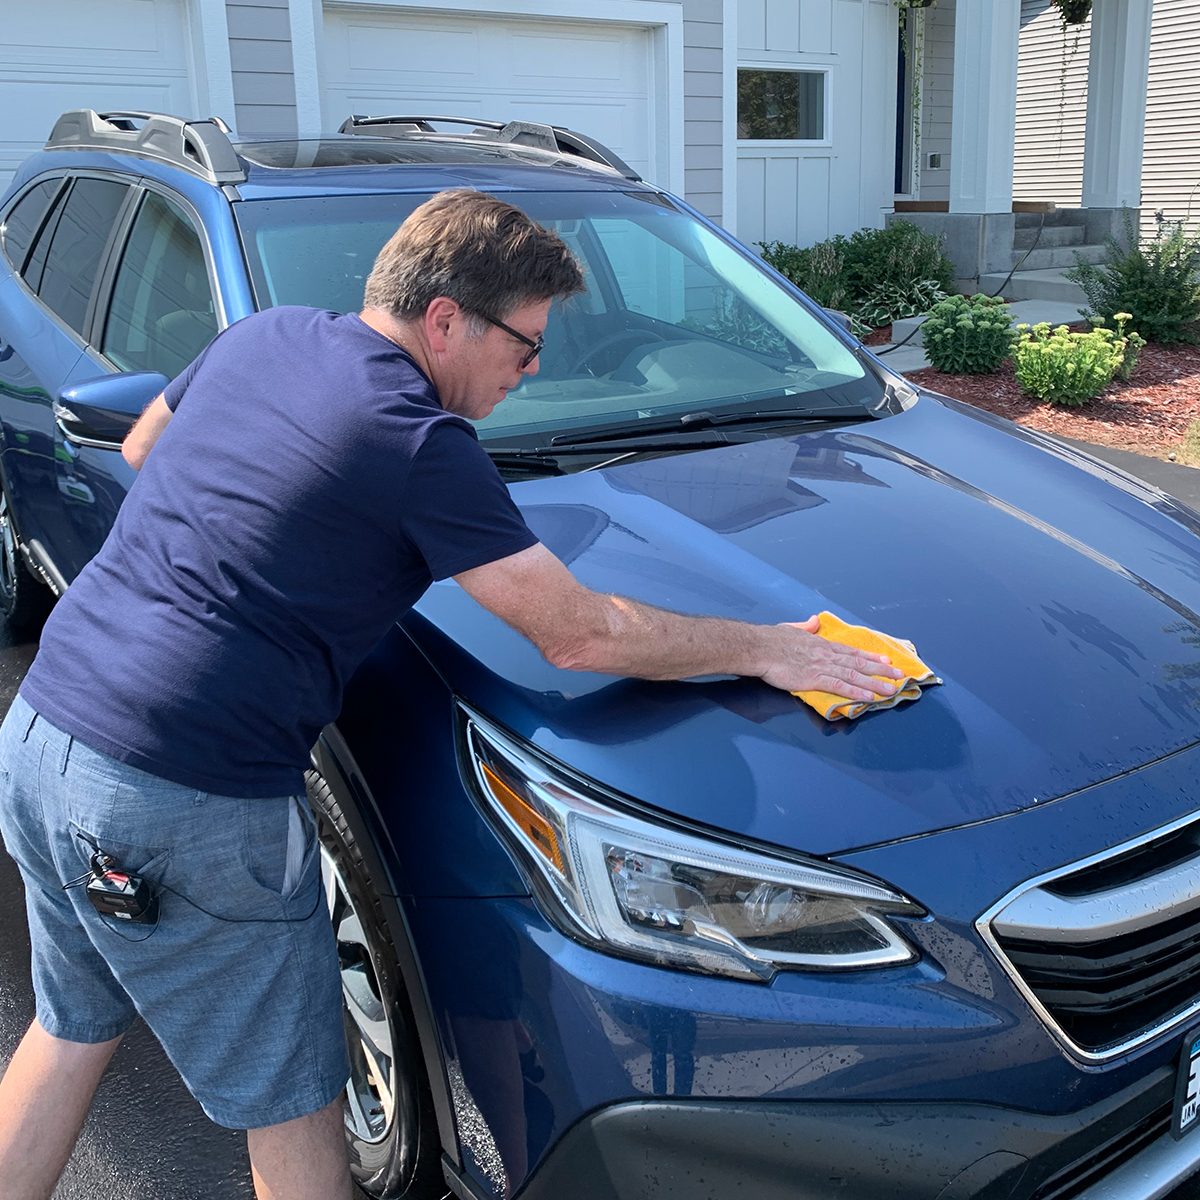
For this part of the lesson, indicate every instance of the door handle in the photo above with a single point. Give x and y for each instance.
(6, 352)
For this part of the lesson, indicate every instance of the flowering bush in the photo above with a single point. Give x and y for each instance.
(968, 336)
(1068, 368)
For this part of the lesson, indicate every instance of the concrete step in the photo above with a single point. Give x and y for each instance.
(1058, 217)
(1049, 284)
(1046, 257)
(1051, 235)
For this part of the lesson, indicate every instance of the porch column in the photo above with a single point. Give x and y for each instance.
(1118, 69)
(985, 105)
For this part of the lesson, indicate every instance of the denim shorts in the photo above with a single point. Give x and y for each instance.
(246, 997)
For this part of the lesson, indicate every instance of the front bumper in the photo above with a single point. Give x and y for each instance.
(680, 1150)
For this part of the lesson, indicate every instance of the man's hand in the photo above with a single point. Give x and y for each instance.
(810, 663)
(139, 441)
(583, 630)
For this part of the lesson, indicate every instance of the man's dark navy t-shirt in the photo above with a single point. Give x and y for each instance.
(307, 490)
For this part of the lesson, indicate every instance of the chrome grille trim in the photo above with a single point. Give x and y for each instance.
(1100, 916)
(988, 921)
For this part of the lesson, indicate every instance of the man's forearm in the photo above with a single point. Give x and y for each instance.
(625, 637)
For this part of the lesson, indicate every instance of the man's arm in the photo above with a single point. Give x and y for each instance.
(583, 630)
(145, 432)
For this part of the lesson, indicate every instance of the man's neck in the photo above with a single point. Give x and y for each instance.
(404, 334)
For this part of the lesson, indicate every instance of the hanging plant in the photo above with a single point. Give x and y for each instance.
(1073, 12)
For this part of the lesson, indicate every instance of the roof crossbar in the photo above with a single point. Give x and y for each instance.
(202, 147)
(555, 138)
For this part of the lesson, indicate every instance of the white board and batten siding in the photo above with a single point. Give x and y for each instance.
(1052, 110)
(62, 54)
(803, 192)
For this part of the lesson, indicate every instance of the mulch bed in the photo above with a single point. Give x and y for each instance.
(1147, 415)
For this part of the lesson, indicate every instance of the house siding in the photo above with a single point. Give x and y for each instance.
(1052, 111)
(1052, 74)
(937, 100)
(1171, 160)
(703, 88)
(260, 52)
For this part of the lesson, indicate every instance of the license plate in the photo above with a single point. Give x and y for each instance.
(1187, 1087)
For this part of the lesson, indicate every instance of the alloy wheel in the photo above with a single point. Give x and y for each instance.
(371, 1104)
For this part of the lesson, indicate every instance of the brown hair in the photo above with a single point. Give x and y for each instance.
(484, 254)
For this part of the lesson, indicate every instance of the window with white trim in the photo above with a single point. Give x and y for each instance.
(781, 105)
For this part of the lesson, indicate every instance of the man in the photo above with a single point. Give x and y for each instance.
(311, 474)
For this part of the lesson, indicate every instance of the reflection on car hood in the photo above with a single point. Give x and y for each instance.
(1057, 600)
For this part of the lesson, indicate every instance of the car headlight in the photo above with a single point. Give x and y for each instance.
(650, 891)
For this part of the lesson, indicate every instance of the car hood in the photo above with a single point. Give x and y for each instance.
(1056, 597)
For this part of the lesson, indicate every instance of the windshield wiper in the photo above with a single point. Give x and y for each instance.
(710, 420)
(538, 459)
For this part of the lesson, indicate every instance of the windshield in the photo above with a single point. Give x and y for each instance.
(674, 319)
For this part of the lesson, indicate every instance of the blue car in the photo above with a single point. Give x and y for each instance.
(603, 938)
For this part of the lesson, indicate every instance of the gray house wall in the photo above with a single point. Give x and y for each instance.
(260, 52)
(702, 85)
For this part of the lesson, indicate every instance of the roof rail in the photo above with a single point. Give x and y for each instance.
(202, 147)
(554, 138)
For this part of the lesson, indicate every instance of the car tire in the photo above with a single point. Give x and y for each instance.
(395, 1153)
(24, 600)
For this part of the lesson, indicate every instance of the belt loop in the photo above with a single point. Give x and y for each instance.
(30, 724)
(66, 755)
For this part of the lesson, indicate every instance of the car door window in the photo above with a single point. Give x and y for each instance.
(22, 223)
(36, 264)
(162, 314)
(77, 247)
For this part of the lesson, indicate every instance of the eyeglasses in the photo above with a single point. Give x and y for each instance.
(535, 348)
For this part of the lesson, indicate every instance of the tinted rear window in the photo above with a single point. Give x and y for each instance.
(79, 241)
(22, 223)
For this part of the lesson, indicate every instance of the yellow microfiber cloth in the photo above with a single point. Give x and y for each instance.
(904, 658)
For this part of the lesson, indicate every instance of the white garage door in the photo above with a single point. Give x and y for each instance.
(60, 54)
(593, 78)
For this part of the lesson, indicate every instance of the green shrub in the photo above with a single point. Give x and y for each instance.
(1068, 368)
(968, 336)
(891, 302)
(875, 275)
(1156, 280)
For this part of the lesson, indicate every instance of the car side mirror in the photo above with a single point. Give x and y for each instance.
(100, 412)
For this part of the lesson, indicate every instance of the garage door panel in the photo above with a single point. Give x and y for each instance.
(381, 47)
(594, 62)
(61, 54)
(128, 31)
(593, 78)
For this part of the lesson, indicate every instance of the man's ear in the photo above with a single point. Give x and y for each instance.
(440, 318)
